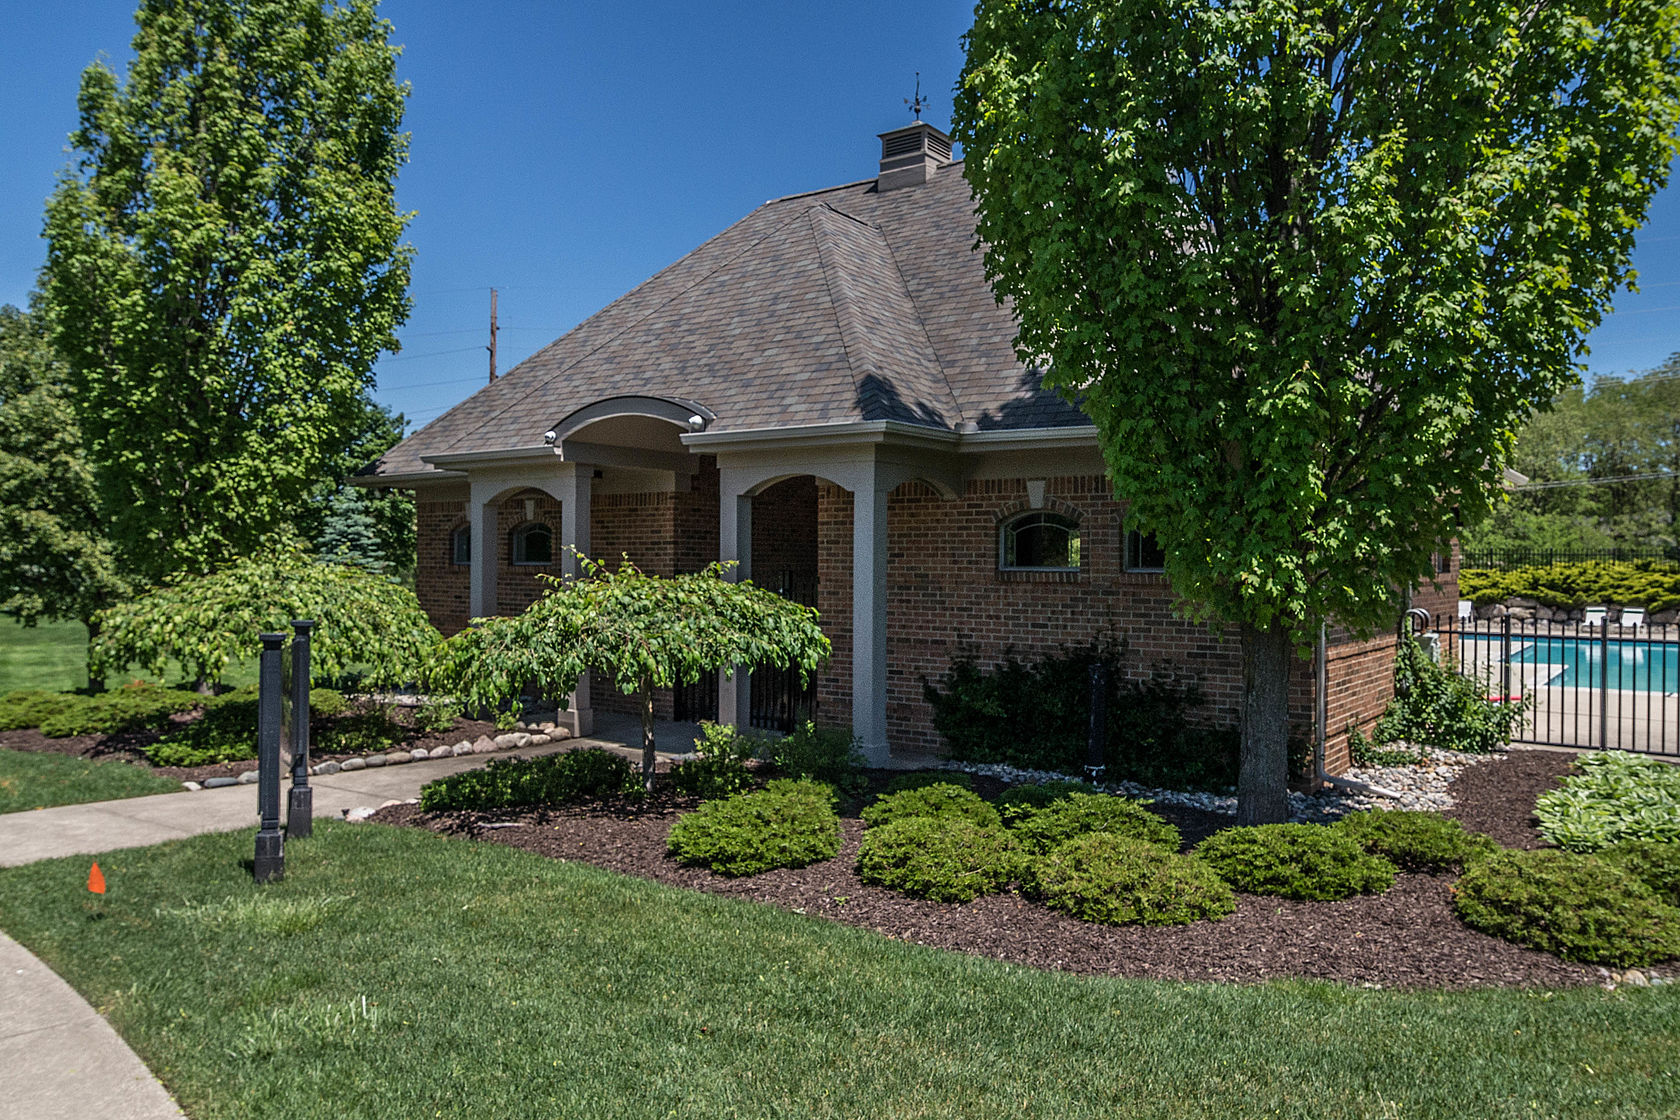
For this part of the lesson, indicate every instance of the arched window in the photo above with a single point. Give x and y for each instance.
(460, 546)
(1144, 553)
(1039, 541)
(533, 543)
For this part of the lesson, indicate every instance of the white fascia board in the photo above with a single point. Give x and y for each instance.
(405, 479)
(894, 432)
(509, 457)
(1030, 439)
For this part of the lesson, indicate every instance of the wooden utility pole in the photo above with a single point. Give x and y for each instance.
(492, 346)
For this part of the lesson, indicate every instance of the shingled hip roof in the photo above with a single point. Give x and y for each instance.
(832, 307)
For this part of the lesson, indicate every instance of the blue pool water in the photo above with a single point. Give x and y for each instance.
(1638, 666)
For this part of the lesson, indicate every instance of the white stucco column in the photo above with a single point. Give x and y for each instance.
(734, 543)
(572, 488)
(481, 521)
(869, 616)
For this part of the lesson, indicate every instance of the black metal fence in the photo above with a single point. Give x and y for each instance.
(779, 701)
(1599, 685)
(1504, 559)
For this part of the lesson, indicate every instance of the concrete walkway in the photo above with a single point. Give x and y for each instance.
(59, 1060)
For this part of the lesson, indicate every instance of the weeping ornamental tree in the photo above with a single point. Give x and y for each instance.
(224, 267)
(1307, 266)
(638, 631)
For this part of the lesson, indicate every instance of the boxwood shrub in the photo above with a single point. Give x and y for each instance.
(788, 823)
(1120, 880)
(940, 799)
(1413, 840)
(1079, 813)
(550, 779)
(947, 859)
(1301, 861)
(1021, 801)
(1581, 907)
(1654, 864)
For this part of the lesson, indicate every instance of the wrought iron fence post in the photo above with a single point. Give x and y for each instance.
(270, 861)
(1603, 685)
(300, 803)
(1505, 659)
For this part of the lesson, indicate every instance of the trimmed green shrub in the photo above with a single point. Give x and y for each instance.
(1581, 907)
(1303, 861)
(1022, 801)
(723, 740)
(1436, 705)
(124, 709)
(550, 779)
(918, 778)
(823, 754)
(786, 824)
(326, 702)
(1654, 864)
(30, 707)
(938, 800)
(711, 777)
(227, 730)
(1036, 715)
(946, 859)
(1654, 585)
(434, 715)
(362, 732)
(1079, 813)
(1415, 841)
(1119, 880)
(1612, 797)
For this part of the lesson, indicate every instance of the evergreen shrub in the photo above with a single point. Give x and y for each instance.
(788, 823)
(1022, 801)
(1581, 907)
(30, 707)
(1301, 861)
(550, 779)
(130, 708)
(1655, 864)
(1415, 841)
(1119, 880)
(1651, 584)
(1077, 814)
(940, 799)
(919, 778)
(1036, 715)
(946, 859)
(710, 777)
(822, 754)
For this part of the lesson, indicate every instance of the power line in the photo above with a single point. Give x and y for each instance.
(433, 354)
(430, 384)
(1558, 484)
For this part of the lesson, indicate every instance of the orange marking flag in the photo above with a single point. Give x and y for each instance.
(96, 880)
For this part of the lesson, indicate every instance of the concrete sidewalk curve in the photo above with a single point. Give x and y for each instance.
(59, 1059)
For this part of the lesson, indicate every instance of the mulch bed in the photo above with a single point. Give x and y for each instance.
(129, 746)
(1407, 937)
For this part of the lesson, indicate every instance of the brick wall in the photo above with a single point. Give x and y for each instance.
(443, 586)
(834, 603)
(518, 586)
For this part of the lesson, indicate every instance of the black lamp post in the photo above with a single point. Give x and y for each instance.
(300, 804)
(270, 862)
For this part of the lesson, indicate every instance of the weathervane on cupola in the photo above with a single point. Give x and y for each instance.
(917, 105)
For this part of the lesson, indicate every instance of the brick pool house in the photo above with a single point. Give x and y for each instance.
(827, 394)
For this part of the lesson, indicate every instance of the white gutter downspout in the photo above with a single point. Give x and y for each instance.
(1321, 718)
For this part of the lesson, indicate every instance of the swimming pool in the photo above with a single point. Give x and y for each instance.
(1635, 665)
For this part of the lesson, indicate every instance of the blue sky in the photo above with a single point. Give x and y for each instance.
(563, 152)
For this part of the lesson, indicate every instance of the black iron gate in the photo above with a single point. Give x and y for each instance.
(1611, 682)
(779, 701)
(697, 701)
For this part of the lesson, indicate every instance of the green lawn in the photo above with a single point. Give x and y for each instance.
(53, 655)
(399, 974)
(29, 780)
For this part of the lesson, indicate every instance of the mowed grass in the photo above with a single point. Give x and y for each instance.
(53, 656)
(395, 973)
(30, 780)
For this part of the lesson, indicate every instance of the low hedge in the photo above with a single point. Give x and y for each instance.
(1119, 880)
(1654, 864)
(1077, 814)
(711, 777)
(30, 707)
(1581, 907)
(122, 709)
(788, 823)
(1300, 861)
(1022, 801)
(939, 799)
(1415, 841)
(550, 779)
(1629, 583)
(946, 859)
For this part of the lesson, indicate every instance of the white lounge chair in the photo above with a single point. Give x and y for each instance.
(1595, 616)
(1466, 610)
(1633, 616)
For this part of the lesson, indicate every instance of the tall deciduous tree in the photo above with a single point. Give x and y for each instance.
(224, 266)
(1306, 265)
(55, 559)
(637, 631)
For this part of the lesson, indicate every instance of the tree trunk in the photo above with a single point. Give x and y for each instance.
(94, 686)
(1263, 777)
(647, 734)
